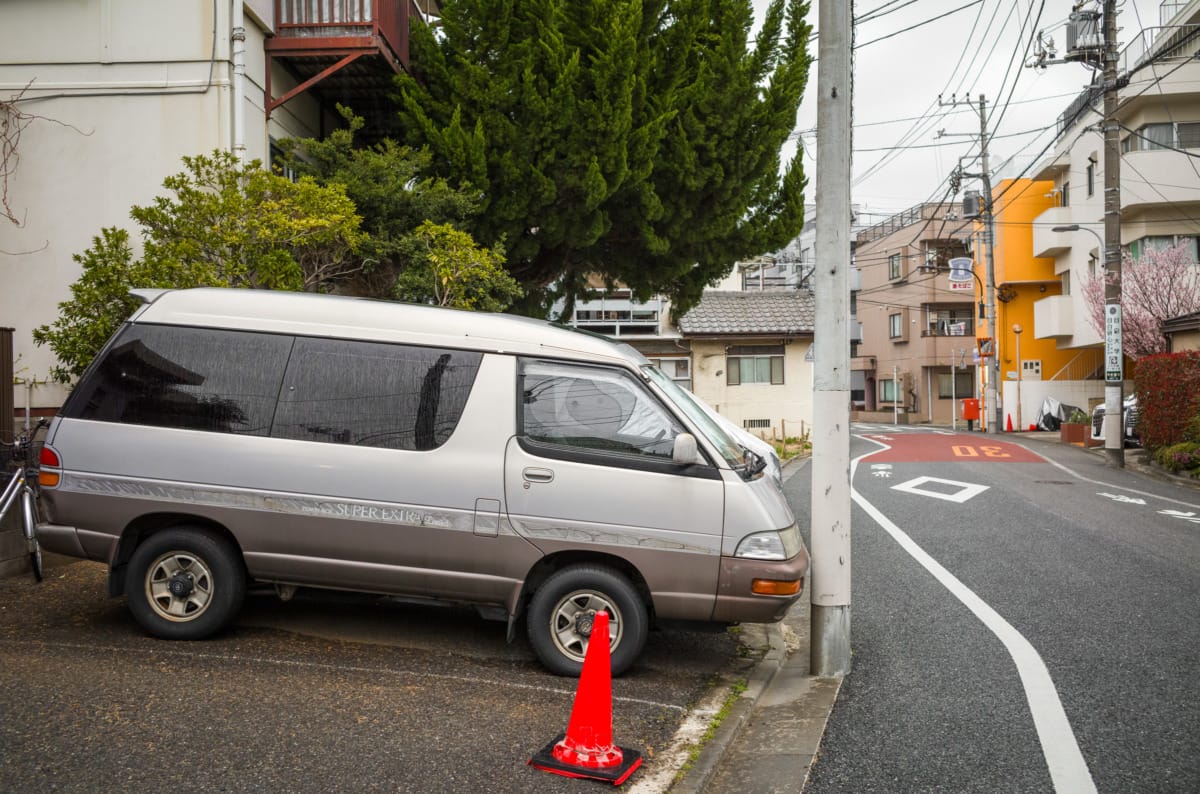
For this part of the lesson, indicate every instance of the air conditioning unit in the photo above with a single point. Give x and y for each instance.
(972, 204)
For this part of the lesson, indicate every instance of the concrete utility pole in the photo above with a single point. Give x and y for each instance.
(830, 517)
(989, 232)
(1114, 359)
(991, 395)
(1082, 44)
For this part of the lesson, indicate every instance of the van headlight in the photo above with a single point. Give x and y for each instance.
(780, 544)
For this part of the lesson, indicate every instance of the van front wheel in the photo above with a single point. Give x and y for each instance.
(563, 610)
(185, 583)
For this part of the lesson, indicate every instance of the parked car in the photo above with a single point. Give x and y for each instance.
(231, 436)
(1130, 421)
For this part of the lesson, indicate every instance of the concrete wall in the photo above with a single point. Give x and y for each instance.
(1083, 394)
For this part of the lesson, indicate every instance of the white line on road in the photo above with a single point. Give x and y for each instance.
(1068, 769)
(223, 657)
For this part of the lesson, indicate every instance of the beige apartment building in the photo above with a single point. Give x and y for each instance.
(918, 330)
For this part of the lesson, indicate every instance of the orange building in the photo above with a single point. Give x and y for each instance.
(1021, 280)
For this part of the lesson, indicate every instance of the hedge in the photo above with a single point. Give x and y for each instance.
(1168, 392)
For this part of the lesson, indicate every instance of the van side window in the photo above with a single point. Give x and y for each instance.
(593, 408)
(188, 378)
(374, 394)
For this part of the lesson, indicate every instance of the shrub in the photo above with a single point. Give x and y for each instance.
(1168, 392)
(1181, 458)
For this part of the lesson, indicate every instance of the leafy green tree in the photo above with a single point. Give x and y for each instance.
(634, 139)
(387, 184)
(247, 227)
(99, 303)
(223, 226)
(447, 268)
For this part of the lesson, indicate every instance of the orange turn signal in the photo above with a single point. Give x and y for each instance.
(48, 479)
(776, 587)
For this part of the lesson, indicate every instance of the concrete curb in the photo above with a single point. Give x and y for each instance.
(711, 755)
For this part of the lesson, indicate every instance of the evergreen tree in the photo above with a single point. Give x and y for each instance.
(637, 140)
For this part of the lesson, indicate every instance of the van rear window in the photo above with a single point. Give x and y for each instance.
(189, 378)
(335, 391)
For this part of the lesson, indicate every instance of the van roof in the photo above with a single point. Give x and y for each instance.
(309, 314)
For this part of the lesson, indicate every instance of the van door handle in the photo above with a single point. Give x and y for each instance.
(537, 475)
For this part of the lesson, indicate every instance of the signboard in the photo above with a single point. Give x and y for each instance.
(957, 329)
(1114, 369)
(961, 268)
(962, 286)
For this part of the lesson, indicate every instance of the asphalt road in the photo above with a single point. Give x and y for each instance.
(1097, 569)
(325, 693)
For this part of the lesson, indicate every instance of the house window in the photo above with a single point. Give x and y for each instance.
(754, 364)
(1091, 178)
(677, 369)
(895, 326)
(894, 263)
(888, 391)
(1161, 242)
(1165, 135)
(960, 384)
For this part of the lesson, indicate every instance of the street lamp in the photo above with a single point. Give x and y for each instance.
(1017, 329)
(1075, 227)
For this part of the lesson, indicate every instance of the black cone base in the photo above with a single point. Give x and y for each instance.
(545, 760)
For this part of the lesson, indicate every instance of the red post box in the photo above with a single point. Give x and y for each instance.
(970, 411)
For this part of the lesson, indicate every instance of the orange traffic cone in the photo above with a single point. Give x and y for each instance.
(1009, 428)
(586, 750)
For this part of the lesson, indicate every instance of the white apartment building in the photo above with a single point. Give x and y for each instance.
(101, 99)
(1159, 116)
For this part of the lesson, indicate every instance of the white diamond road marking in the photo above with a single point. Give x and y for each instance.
(965, 491)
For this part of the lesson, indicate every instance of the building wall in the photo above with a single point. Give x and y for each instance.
(916, 356)
(788, 406)
(1025, 280)
(120, 91)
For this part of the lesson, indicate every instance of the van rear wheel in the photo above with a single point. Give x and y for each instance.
(185, 583)
(562, 611)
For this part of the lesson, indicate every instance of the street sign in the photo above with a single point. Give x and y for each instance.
(1114, 369)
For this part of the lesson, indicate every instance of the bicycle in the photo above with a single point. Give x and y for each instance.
(20, 488)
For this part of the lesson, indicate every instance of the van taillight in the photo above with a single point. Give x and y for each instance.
(48, 463)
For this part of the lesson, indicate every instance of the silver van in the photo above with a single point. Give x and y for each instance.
(225, 437)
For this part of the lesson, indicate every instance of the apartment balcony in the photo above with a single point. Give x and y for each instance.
(1046, 241)
(1155, 178)
(345, 51)
(1053, 317)
(620, 317)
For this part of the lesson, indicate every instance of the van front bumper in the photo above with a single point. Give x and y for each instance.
(738, 603)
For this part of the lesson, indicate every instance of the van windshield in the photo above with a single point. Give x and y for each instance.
(733, 453)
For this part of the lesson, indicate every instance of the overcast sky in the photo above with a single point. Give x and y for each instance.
(976, 47)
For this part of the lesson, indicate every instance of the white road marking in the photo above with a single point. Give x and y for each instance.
(1120, 497)
(1068, 769)
(226, 657)
(966, 490)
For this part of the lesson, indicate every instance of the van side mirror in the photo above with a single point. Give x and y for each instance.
(685, 450)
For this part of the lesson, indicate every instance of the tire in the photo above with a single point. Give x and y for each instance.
(558, 620)
(206, 572)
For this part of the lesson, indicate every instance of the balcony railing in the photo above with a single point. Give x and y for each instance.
(317, 22)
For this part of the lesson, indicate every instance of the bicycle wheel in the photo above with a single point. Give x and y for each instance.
(29, 527)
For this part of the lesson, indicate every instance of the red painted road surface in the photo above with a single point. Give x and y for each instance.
(938, 448)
